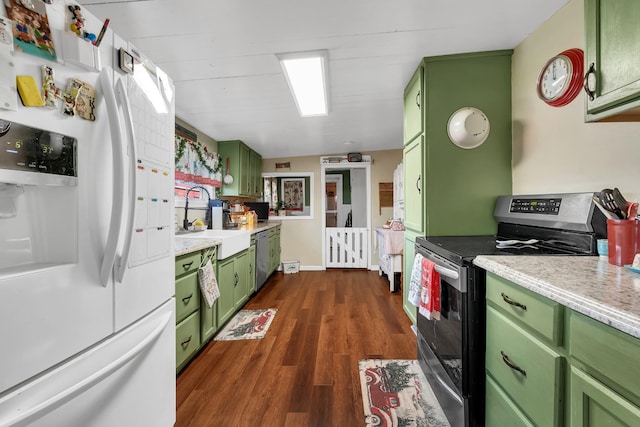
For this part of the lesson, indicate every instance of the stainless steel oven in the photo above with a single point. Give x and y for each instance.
(451, 350)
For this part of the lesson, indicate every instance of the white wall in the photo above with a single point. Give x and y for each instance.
(554, 150)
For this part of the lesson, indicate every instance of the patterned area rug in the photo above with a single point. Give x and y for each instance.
(396, 393)
(247, 325)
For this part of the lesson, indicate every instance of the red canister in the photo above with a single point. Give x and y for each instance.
(624, 240)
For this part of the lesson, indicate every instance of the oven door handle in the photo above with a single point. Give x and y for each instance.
(452, 274)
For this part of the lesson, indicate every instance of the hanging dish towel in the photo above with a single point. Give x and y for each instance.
(208, 283)
(430, 291)
(415, 281)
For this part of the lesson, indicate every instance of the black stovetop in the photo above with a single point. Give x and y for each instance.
(459, 249)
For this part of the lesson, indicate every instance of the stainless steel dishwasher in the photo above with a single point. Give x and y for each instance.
(262, 258)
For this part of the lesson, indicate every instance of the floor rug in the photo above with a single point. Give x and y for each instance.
(396, 393)
(247, 325)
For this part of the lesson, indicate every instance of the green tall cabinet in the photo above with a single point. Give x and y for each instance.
(451, 191)
(612, 41)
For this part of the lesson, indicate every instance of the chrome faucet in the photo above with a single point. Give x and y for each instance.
(185, 222)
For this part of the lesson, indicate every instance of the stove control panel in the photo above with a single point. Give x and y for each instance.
(536, 206)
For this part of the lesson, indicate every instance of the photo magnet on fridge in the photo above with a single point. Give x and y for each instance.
(31, 31)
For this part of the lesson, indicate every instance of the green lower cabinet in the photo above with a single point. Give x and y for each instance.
(208, 320)
(501, 411)
(526, 369)
(251, 280)
(409, 255)
(551, 366)
(596, 405)
(187, 339)
(241, 280)
(226, 283)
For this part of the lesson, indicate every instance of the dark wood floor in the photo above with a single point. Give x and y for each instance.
(305, 371)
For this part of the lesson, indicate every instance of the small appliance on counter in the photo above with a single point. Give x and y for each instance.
(216, 215)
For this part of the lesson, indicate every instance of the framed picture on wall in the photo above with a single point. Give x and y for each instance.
(293, 193)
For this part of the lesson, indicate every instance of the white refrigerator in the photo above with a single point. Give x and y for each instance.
(87, 314)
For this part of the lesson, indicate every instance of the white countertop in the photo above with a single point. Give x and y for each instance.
(586, 284)
(184, 244)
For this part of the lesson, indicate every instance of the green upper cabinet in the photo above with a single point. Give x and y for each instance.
(413, 159)
(456, 188)
(245, 166)
(612, 46)
(413, 107)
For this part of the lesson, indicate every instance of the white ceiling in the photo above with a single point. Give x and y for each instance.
(229, 85)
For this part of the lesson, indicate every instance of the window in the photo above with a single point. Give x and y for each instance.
(290, 194)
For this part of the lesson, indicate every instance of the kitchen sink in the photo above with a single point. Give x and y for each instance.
(233, 241)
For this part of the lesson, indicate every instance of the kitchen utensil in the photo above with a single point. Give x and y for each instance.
(620, 201)
(228, 179)
(609, 202)
(516, 242)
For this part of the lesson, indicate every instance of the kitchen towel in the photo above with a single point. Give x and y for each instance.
(415, 282)
(208, 283)
(430, 291)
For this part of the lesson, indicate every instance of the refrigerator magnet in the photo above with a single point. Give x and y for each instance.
(29, 92)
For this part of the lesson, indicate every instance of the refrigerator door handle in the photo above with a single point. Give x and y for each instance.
(133, 186)
(34, 410)
(115, 225)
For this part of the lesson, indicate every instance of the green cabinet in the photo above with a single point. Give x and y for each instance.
(208, 315)
(187, 294)
(412, 111)
(571, 369)
(605, 374)
(251, 270)
(612, 40)
(245, 166)
(274, 249)
(407, 259)
(233, 280)
(227, 283)
(450, 191)
(413, 160)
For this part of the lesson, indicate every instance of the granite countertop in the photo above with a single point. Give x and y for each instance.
(586, 284)
(184, 244)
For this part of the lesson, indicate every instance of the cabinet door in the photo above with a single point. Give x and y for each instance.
(413, 158)
(612, 46)
(528, 371)
(593, 404)
(255, 168)
(413, 96)
(251, 271)
(272, 253)
(500, 410)
(409, 254)
(241, 279)
(245, 182)
(208, 315)
(226, 283)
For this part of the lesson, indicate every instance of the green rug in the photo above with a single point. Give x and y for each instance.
(395, 393)
(247, 325)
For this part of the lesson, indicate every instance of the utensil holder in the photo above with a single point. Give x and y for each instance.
(624, 240)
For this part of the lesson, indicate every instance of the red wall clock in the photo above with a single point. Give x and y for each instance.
(560, 79)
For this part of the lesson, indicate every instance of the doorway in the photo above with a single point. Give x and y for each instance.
(346, 220)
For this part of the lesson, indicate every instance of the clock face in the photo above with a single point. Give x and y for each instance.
(555, 78)
(560, 79)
